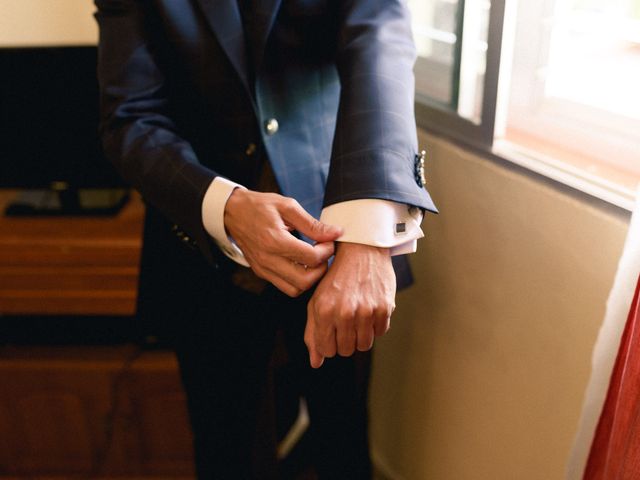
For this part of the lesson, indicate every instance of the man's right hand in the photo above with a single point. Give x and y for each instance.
(261, 225)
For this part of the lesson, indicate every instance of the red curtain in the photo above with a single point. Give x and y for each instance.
(615, 451)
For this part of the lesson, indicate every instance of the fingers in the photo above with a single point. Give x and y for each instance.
(299, 276)
(292, 280)
(343, 340)
(346, 340)
(301, 252)
(261, 224)
(365, 339)
(297, 217)
(382, 325)
(361, 336)
(352, 304)
(291, 277)
(330, 331)
(284, 286)
(324, 342)
(325, 338)
(315, 359)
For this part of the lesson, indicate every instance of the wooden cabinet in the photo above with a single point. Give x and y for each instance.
(67, 265)
(78, 411)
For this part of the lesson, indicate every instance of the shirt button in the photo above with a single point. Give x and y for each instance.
(271, 126)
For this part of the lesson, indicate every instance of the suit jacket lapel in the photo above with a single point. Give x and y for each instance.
(225, 21)
(266, 12)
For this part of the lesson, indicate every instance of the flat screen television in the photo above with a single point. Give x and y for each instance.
(49, 144)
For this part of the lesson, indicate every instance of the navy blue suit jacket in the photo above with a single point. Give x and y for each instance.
(184, 92)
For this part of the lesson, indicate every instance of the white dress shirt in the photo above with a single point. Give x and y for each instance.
(380, 223)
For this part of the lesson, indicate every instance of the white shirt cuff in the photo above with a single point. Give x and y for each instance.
(213, 204)
(376, 222)
(380, 223)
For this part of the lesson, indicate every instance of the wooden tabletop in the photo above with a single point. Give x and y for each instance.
(70, 265)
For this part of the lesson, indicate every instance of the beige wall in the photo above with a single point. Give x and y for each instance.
(47, 22)
(482, 374)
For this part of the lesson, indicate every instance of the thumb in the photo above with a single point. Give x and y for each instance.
(298, 218)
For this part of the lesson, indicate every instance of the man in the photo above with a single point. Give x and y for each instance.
(211, 106)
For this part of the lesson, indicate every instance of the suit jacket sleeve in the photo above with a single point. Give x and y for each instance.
(138, 134)
(375, 143)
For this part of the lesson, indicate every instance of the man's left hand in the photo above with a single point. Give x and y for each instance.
(352, 303)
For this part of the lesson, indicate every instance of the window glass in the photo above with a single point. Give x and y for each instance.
(595, 55)
(451, 65)
(434, 27)
(575, 78)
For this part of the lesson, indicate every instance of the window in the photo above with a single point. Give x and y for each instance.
(456, 73)
(449, 71)
(575, 79)
(552, 85)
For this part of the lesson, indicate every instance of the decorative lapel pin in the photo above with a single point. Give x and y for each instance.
(419, 168)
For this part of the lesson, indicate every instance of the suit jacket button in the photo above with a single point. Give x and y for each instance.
(271, 126)
(251, 149)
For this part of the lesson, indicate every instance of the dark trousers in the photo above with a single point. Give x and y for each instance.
(224, 353)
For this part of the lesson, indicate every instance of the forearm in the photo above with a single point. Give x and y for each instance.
(375, 145)
(139, 136)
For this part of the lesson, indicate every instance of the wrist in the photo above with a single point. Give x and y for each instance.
(348, 248)
(214, 206)
(234, 204)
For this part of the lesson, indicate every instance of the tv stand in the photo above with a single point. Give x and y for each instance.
(62, 200)
(70, 265)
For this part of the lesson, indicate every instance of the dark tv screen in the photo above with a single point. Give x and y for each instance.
(49, 119)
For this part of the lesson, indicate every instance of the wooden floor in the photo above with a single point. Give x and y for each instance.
(110, 410)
